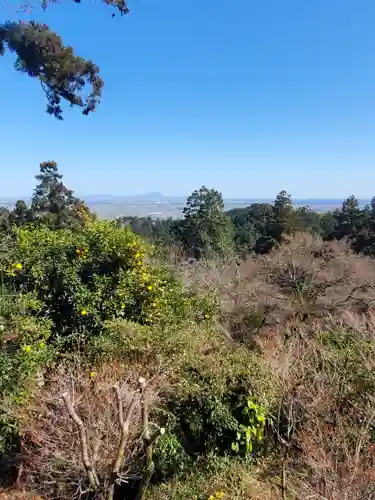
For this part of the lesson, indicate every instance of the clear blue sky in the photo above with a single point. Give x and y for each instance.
(246, 96)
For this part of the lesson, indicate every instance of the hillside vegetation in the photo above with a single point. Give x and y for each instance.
(221, 356)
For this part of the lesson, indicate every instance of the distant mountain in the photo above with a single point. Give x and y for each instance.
(138, 198)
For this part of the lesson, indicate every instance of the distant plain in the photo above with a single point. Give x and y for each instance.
(156, 205)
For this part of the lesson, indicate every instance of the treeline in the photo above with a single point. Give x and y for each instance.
(206, 229)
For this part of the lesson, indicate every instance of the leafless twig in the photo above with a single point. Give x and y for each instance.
(92, 477)
(124, 427)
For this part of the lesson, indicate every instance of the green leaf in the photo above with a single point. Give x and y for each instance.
(235, 447)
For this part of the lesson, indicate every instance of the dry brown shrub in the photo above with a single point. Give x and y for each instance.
(326, 415)
(52, 462)
(289, 303)
(303, 280)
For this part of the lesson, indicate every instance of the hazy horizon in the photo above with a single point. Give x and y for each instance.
(147, 196)
(109, 206)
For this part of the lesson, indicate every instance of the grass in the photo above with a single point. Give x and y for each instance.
(215, 477)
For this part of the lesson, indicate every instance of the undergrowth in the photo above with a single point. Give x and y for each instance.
(259, 372)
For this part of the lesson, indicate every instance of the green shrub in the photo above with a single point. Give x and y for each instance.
(84, 279)
(23, 352)
(219, 420)
(210, 478)
(349, 358)
(251, 432)
(205, 424)
(170, 457)
(210, 381)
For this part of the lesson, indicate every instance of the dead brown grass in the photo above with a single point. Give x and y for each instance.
(326, 417)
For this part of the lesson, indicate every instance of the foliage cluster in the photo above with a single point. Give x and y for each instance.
(83, 279)
(198, 386)
(53, 205)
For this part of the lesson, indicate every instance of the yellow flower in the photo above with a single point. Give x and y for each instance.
(219, 494)
(211, 497)
(84, 312)
(27, 348)
(149, 287)
(137, 255)
(139, 263)
(18, 266)
(122, 306)
(92, 374)
(78, 251)
(42, 345)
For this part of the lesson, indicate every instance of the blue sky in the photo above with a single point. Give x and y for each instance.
(246, 96)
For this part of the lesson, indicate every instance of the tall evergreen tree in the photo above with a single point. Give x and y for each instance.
(251, 227)
(53, 203)
(349, 220)
(283, 220)
(205, 229)
(328, 223)
(365, 238)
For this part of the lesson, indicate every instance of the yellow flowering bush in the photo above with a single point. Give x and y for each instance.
(97, 274)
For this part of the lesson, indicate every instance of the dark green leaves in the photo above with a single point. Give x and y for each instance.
(63, 75)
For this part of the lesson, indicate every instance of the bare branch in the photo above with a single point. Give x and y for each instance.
(94, 482)
(124, 427)
(148, 441)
